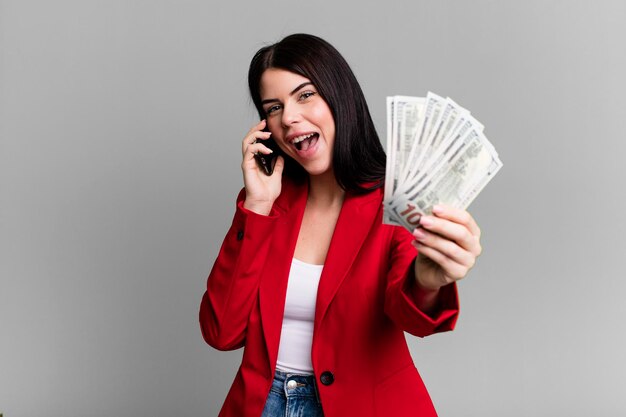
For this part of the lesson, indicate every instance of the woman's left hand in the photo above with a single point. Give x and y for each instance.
(448, 244)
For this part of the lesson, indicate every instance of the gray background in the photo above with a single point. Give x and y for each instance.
(120, 125)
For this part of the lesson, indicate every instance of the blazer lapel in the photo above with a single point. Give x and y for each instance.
(273, 286)
(357, 215)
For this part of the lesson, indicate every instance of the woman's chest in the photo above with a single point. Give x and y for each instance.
(315, 235)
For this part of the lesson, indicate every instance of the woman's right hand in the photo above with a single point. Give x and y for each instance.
(261, 189)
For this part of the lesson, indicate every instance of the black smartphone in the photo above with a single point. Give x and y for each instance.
(266, 162)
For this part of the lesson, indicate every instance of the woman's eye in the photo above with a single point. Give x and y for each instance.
(271, 109)
(306, 94)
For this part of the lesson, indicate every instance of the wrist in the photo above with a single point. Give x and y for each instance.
(425, 287)
(262, 208)
(425, 298)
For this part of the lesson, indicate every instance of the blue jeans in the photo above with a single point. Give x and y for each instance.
(293, 395)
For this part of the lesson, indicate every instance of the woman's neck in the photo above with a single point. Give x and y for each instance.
(325, 190)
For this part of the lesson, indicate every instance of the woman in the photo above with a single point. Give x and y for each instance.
(308, 280)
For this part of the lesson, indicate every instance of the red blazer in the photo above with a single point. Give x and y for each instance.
(365, 302)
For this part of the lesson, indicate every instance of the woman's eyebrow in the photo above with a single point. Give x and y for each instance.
(294, 91)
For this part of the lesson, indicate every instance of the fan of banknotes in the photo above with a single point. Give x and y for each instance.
(436, 153)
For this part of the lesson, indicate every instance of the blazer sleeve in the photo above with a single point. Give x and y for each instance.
(233, 283)
(401, 293)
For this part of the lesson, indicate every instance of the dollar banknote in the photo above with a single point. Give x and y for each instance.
(437, 153)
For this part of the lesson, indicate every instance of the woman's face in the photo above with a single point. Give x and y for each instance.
(301, 122)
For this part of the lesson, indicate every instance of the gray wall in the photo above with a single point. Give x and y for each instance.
(120, 124)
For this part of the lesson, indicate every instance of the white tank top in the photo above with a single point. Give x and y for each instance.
(296, 337)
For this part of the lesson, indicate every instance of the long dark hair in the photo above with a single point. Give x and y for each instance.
(358, 156)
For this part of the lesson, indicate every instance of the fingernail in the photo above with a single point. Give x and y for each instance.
(419, 234)
(426, 221)
(437, 209)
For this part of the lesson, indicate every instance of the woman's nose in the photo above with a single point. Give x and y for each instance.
(290, 115)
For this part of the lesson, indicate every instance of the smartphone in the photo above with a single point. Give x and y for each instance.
(266, 162)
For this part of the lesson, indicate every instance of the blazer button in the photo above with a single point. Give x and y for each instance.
(240, 235)
(327, 378)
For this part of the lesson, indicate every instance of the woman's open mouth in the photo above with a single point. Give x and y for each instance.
(304, 142)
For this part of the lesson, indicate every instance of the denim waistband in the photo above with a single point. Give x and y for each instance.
(295, 385)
